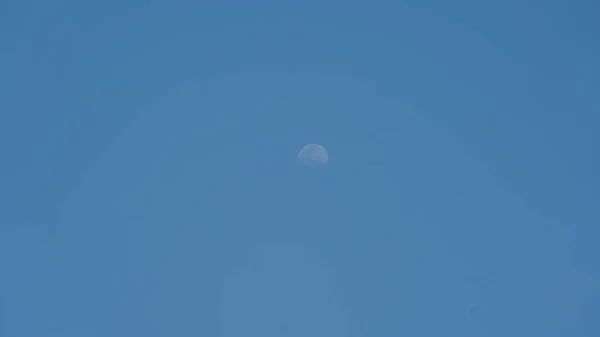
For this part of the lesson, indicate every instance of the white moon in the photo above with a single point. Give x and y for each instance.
(313, 154)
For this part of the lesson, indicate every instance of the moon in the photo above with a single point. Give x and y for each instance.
(313, 155)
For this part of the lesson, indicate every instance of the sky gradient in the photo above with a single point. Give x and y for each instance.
(150, 185)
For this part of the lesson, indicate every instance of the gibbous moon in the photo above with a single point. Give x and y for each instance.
(313, 154)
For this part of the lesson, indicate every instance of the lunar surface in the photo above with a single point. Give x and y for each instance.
(313, 154)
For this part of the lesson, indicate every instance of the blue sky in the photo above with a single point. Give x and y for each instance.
(149, 183)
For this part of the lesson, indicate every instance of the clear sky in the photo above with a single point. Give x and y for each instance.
(149, 184)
